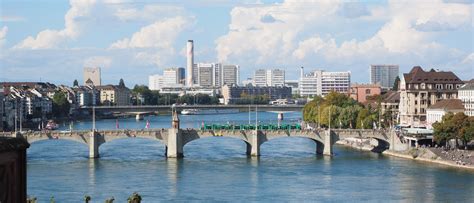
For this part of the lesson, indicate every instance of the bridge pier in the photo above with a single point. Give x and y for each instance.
(93, 145)
(253, 147)
(174, 147)
(327, 143)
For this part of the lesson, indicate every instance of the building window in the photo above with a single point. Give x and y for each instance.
(367, 91)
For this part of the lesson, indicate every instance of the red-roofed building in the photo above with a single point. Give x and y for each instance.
(420, 89)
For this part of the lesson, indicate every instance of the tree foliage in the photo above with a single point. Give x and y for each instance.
(75, 83)
(60, 104)
(121, 83)
(341, 111)
(454, 126)
(396, 84)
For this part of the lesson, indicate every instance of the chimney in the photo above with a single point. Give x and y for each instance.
(301, 73)
(190, 63)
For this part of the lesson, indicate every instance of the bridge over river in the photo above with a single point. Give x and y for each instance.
(176, 138)
(168, 108)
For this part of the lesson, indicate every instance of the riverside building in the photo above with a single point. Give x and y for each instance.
(320, 83)
(466, 95)
(420, 89)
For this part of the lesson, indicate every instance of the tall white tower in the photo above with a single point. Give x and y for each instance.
(190, 62)
(301, 73)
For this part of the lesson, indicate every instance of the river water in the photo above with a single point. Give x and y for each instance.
(217, 169)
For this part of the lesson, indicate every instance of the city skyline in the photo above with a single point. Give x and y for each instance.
(133, 40)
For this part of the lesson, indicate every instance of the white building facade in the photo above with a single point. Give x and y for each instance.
(466, 95)
(436, 112)
(321, 83)
(272, 77)
(420, 89)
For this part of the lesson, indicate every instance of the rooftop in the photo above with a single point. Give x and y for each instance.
(391, 97)
(418, 75)
(448, 104)
(365, 85)
(468, 86)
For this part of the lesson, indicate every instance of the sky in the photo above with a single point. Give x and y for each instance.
(46, 40)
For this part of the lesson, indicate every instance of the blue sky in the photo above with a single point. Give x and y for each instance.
(53, 40)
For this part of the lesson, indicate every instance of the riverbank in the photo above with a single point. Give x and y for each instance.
(426, 155)
(463, 159)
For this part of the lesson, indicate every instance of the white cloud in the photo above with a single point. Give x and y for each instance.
(160, 34)
(48, 38)
(3, 35)
(469, 59)
(248, 36)
(98, 61)
(410, 29)
(152, 12)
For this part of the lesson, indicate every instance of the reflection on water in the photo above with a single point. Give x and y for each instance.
(217, 169)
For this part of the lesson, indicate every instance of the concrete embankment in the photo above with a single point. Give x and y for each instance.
(418, 154)
(427, 155)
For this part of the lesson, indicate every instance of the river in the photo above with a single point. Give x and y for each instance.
(217, 169)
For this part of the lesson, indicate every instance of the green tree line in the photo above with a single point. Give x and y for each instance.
(454, 126)
(344, 112)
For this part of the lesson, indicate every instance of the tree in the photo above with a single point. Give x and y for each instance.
(121, 83)
(396, 84)
(75, 83)
(467, 131)
(459, 122)
(145, 93)
(444, 130)
(60, 104)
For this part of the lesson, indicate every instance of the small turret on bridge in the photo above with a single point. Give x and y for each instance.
(176, 138)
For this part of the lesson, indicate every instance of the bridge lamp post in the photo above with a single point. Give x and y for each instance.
(330, 118)
(93, 118)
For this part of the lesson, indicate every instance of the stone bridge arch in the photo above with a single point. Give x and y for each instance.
(382, 136)
(316, 136)
(190, 135)
(79, 137)
(111, 135)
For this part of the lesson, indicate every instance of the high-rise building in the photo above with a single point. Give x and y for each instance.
(420, 89)
(384, 75)
(92, 76)
(205, 76)
(322, 82)
(230, 75)
(260, 77)
(215, 74)
(275, 77)
(190, 63)
(172, 77)
(155, 82)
